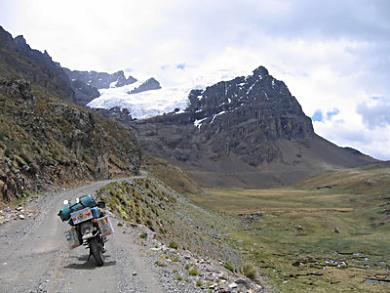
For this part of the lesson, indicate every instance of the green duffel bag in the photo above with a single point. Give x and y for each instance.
(84, 201)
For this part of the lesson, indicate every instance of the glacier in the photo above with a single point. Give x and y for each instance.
(145, 104)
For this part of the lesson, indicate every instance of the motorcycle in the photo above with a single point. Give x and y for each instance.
(90, 226)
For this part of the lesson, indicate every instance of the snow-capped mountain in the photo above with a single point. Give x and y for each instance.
(146, 97)
(248, 131)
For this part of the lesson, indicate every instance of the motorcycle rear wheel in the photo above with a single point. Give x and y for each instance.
(96, 249)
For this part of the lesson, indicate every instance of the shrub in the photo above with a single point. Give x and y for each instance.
(249, 271)
(143, 235)
(173, 245)
(175, 259)
(193, 271)
(229, 266)
(161, 262)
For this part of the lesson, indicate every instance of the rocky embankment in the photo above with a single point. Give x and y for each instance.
(184, 271)
(8, 214)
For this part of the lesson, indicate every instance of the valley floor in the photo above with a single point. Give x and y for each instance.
(316, 237)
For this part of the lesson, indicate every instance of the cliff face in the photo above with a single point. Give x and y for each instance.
(249, 130)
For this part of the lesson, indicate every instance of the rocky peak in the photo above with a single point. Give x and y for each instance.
(122, 80)
(101, 80)
(147, 85)
(19, 60)
(258, 97)
(4, 35)
(87, 83)
(260, 72)
(21, 42)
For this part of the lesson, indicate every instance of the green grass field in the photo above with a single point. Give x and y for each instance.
(329, 234)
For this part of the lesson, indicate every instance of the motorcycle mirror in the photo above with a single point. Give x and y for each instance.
(77, 200)
(66, 202)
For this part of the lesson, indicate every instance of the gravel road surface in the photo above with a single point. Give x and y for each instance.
(34, 256)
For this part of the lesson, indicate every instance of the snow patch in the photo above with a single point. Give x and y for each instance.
(251, 87)
(113, 84)
(216, 115)
(198, 123)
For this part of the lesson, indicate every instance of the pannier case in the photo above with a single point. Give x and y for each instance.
(95, 212)
(71, 238)
(105, 226)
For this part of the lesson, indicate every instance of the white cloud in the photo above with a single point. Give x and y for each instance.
(375, 112)
(375, 142)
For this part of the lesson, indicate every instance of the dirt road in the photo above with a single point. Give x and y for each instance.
(34, 256)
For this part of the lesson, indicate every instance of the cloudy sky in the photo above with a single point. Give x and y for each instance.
(333, 55)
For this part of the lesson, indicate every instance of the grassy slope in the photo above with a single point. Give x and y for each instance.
(301, 237)
(171, 175)
(174, 219)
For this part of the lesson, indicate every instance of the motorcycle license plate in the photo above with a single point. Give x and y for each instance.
(81, 216)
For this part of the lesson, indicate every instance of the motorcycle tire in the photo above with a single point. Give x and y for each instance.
(96, 249)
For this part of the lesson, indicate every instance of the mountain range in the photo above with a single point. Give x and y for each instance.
(249, 131)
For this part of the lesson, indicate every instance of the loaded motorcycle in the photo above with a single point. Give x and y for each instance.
(90, 225)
